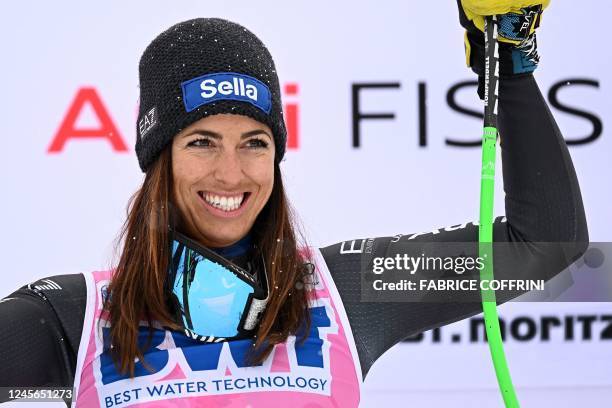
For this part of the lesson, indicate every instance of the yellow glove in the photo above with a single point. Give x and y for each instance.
(518, 18)
(517, 21)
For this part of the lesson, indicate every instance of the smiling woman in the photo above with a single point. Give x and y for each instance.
(214, 301)
(223, 171)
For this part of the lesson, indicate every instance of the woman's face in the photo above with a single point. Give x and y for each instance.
(223, 172)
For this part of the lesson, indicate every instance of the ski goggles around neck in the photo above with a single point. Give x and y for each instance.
(213, 298)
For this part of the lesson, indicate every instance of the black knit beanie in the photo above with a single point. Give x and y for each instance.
(199, 68)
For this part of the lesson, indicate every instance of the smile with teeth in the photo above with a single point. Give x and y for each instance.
(224, 203)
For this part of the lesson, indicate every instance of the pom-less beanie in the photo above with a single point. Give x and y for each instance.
(199, 68)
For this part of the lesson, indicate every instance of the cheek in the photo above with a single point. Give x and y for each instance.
(184, 173)
(263, 174)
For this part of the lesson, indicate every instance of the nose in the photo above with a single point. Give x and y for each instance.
(228, 170)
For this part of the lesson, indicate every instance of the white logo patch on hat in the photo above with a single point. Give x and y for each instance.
(226, 86)
(147, 122)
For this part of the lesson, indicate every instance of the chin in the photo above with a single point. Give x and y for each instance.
(222, 239)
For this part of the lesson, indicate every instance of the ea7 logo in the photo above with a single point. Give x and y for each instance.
(147, 122)
(47, 284)
(352, 247)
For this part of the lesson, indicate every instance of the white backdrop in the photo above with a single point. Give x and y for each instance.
(63, 210)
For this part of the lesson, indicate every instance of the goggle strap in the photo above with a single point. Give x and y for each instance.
(257, 307)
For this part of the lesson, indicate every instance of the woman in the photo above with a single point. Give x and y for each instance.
(212, 302)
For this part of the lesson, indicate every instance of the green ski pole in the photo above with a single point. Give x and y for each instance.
(485, 230)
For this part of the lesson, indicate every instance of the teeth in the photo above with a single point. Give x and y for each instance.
(224, 203)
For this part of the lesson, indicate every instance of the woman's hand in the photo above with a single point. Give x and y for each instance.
(517, 22)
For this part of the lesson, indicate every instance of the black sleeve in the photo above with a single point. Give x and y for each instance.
(40, 329)
(543, 204)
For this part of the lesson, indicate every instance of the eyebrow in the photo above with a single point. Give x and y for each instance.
(216, 135)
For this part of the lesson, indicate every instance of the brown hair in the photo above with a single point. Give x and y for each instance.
(137, 288)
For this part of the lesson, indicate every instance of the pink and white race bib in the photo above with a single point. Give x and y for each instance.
(324, 371)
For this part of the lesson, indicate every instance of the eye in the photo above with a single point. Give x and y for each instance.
(256, 143)
(201, 142)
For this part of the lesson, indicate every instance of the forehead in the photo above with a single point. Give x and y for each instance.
(227, 122)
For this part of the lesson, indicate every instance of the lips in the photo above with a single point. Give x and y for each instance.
(228, 204)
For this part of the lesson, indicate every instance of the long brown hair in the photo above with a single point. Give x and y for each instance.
(137, 288)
